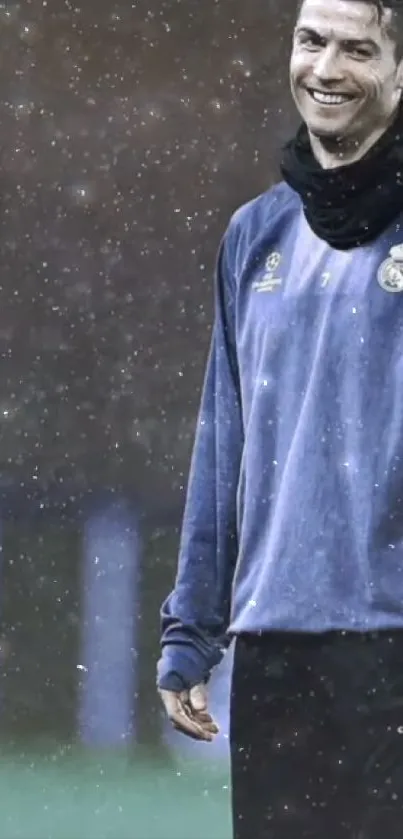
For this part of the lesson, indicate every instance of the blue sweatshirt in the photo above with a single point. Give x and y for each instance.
(294, 511)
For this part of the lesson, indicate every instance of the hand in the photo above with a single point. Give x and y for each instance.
(189, 714)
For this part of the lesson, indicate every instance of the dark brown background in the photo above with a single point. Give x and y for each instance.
(129, 133)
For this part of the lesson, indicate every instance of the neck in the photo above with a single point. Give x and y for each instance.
(331, 152)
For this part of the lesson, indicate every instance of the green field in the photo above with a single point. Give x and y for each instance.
(67, 793)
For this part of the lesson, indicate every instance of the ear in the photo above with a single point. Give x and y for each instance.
(399, 77)
(398, 86)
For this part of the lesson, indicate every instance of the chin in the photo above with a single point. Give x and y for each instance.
(328, 132)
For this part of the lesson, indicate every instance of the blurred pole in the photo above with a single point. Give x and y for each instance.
(219, 697)
(5, 646)
(107, 667)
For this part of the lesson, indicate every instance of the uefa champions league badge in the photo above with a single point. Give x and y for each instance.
(390, 273)
(269, 281)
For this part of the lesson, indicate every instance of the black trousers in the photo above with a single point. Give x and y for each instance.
(316, 733)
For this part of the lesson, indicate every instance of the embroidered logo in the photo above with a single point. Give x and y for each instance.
(390, 273)
(269, 281)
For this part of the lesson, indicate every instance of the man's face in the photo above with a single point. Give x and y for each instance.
(344, 75)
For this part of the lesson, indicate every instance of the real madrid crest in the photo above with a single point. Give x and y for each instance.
(390, 273)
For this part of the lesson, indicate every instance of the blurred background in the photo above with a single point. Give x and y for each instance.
(130, 131)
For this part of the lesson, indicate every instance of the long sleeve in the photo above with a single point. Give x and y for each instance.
(195, 616)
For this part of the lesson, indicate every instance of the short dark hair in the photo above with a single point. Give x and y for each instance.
(396, 26)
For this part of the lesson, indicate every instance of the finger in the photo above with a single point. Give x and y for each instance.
(191, 728)
(172, 701)
(198, 698)
(180, 715)
(185, 721)
(207, 722)
(202, 716)
(198, 703)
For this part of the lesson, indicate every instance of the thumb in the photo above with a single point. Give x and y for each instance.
(198, 698)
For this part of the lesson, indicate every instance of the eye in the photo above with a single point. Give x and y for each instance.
(361, 53)
(310, 42)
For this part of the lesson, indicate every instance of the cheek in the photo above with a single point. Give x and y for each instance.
(372, 85)
(375, 83)
(300, 70)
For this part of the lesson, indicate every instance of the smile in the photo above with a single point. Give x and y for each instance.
(330, 98)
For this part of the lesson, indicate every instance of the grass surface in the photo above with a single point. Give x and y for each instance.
(67, 793)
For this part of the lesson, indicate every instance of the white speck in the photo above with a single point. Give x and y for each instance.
(354, 310)
(252, 603)
(82, 667)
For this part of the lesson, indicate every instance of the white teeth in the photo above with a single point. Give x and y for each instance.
(329, 98)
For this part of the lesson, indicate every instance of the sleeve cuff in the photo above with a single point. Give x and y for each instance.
(178, 670)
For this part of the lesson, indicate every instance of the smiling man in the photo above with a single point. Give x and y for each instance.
(292, 539)
(345, 75)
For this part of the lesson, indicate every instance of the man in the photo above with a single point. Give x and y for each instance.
(293, 530)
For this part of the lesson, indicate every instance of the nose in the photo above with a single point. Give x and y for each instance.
(327, 66)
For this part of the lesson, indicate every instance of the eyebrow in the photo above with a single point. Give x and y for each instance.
(349, 42)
